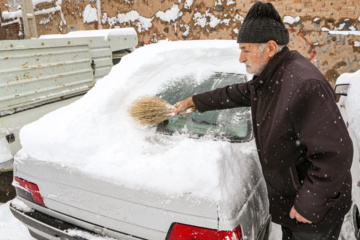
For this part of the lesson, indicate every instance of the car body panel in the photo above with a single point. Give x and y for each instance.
(98, 191)
(144, 213)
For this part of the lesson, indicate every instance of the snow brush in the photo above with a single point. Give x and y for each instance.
(151, 110)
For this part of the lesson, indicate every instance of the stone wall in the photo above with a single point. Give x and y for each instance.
(309, 22)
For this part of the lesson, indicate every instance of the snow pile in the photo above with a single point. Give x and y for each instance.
(97, 136)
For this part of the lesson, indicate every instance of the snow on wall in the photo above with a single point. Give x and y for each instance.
(208, 19)
(170, 15)
(291, 20)
(90, 14)
(188, 4)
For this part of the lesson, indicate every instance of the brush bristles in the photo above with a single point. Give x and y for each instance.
(149, 110)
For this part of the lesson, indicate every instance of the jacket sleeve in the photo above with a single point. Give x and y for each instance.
(236, 95)
(321, 129)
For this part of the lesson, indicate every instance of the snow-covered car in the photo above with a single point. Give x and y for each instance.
(348, 89)
(87, 170)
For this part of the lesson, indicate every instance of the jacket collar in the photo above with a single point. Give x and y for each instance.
(265, 76)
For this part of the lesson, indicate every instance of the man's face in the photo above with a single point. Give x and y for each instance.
(254, 57)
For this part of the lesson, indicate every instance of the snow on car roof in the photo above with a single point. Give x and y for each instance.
(97, 136)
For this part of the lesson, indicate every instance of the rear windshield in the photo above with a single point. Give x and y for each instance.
(230, 124)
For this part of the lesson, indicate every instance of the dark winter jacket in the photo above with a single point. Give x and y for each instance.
(302, 141)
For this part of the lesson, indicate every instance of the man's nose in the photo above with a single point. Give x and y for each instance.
(242, 58)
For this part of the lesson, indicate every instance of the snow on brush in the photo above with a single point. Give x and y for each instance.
(97, 136)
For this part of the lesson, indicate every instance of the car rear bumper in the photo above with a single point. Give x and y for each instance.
(43, 226)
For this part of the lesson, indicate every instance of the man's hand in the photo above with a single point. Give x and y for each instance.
(183, 105)
(297, 216)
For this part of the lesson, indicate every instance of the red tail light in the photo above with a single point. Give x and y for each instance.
(187, 232)
(32, 188)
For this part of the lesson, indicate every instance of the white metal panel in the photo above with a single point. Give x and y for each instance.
(102, 57)
(41, 73)
(103, 44)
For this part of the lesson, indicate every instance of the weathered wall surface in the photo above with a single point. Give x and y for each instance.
(309, 22)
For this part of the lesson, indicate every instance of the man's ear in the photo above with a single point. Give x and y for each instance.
(272, 45)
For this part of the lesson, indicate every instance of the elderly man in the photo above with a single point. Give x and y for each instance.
(303, 144)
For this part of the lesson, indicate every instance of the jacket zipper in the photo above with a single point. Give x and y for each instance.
(296, 186)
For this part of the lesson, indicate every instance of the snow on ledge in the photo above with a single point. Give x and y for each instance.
(291, 20)
(357, 33)
(106, 33)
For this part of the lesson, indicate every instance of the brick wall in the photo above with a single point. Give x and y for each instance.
(333, 54)
(10, 32)
(321, 8)
(3, 5)
(9, 29)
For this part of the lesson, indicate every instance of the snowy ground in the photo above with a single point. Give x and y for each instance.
(10, 227)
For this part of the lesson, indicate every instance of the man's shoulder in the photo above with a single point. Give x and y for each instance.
(300, 69)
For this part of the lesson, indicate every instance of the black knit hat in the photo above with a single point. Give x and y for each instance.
(262, 24)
